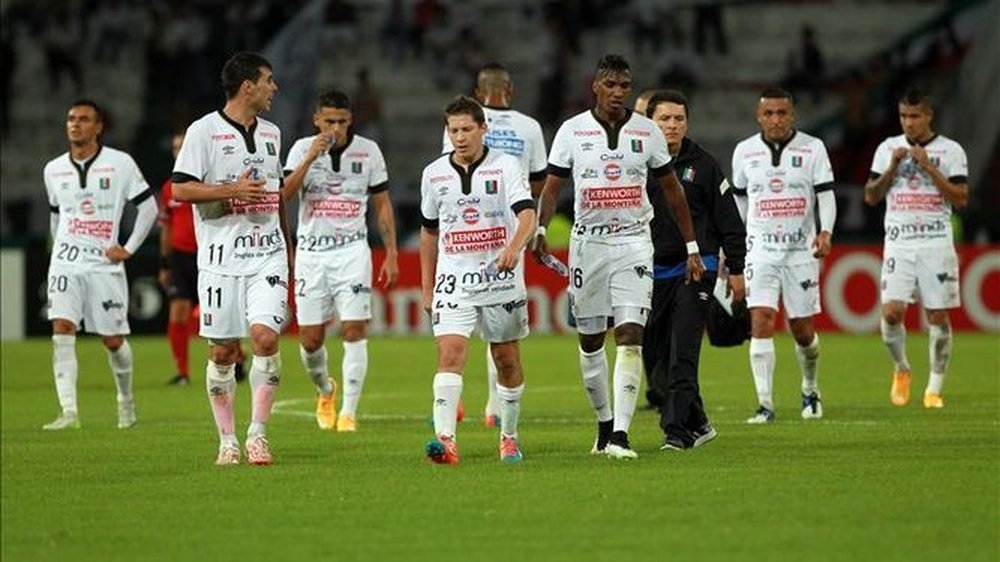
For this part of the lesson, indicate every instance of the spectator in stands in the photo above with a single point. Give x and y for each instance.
(392, 34)
(63, 43)
(342, 25)
(111, 25)
(8, 65)
(367, 108)
(426, 14)
(646, 19)
(807, 66)
(708, 19)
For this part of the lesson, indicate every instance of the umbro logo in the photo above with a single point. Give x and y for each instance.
(359, 288)
(946, 277)
(110, 304)
(440, 402)
(809, 284)
(511, 306)
(643, 271)
(273, 280)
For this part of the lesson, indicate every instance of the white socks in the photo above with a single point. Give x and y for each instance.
(447, 393)
(894, 337)
(940, 355)
(220, 383)
(492, 375)
(627, 378)
(762, 366)
(65, 370)
(354, 369)
(510, 407)
(808, 357)
(316, 366)
(265, 374)
(121, 365)
(594, 368)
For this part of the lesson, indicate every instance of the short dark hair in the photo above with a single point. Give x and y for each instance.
(333, 98)
(86, 102)
(612, 64)
(464, 105)
(666, 96)
(241, 67)
(777, 93)
(915, 96)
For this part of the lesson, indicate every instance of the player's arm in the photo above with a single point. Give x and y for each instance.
(679, 211)
(386, 220)
(428, 262)
(537, 182)
(827, 203)
(547, 208)
(192, 190)
(878, 184)
(526, 220)
(295, 180)
(954, 192)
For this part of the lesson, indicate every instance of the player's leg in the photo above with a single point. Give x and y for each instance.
(939, 291)
(503, 327)
(313, 310)
(800, 293)
(267, 294)
(65, 295)
(183, 294)
(763, 289)
(492, 416)
(349, 278)
(354, 369)
(452, 325)
(120, 360)
(940, 336)
(106, 313)
(222, 323)
(899, 281)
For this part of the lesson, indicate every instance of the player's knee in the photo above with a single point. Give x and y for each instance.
(893, 313)
(590, 343)
(628, 334)
(265, 340)
(112, 343)
(311, 340)
(224, 352)
(938, 318)
(63, 327)
(353, 331)
(762, 322)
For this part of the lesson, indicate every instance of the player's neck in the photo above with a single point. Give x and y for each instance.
(610, 117)
(475, 157)
(496, 101)
(240, 113)
(83, 152)
(921, 139)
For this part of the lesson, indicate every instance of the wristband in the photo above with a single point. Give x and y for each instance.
(540, 230)
(692, 247)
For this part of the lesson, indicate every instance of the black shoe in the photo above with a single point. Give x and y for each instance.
(703, 435)
(179, 380)
(603, 437)
(671, 443)
(619, 448)
(240, 372)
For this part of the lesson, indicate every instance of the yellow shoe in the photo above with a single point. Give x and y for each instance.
(932, 400)
(347, 423)
(900, 393)
(326, 413)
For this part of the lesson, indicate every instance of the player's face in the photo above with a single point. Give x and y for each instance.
(262, 91)
(915, 121)
(466, 136)
(672, 120)
(776, 117)
(82, 125)
(612, 89)
(333, 121)
(175, 144)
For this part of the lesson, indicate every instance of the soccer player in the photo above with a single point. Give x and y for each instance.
(922, 176)
(229, 167)
(608, 150)
(779, 176)
(87, 189)
(519, 135)
(179, 273)
(672, 342)
(478, 216)
(336, 172)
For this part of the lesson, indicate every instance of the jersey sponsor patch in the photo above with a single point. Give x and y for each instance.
(334, 208)
(474, 241)
(637, 146)
(612, 197)
(788, 207)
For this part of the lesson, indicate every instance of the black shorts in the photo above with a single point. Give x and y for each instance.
(183, 276)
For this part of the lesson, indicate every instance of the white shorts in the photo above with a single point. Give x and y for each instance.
(930, 272)
(337, 284)
(231, 303)
(797, 285)
(498, 323)
(603, 277)
(99, 299)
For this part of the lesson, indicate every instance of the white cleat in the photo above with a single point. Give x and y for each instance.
(126, 413)
(228, 455)
(761, 416)
(618, 452)
(66, 420)
(812, 406)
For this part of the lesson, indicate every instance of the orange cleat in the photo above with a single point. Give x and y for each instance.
(900, 393)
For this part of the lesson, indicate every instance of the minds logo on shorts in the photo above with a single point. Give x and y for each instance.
(358, 288)
(256, 238)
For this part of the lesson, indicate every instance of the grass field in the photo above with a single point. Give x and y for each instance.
(868, 482)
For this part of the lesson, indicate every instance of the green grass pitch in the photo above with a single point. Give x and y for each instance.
(868, 482)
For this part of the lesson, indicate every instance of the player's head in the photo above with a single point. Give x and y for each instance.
(333, 116)
(466, 125)
(493, 85)
(642, 102)
(249, 75)
(776, 114)
(916, 114)
(85, 122)
(669, 110)
(612, 83)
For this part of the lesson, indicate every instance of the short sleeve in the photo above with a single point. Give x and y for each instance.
(536, 158)
(446, 146)
(50, 191)
(296, 154)
(561, 154)
(882, 158)
(166, 192)
(377, 173)
(428, 198)
(659, 155)
(192, 160)
(277, 163)
(822, 171)
(739, 176)
(138, 189)
(516, 184)
(957, 165)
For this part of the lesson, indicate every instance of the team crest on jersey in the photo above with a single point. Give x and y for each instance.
(271, 151)
(637, 146)
(796, 161)
(206, 318)
(491, 187)
(688, 174)
(104, 183)
(356, 167)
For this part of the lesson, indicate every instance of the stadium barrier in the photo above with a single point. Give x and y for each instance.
(849, 283)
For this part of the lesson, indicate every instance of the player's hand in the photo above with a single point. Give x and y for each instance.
(426, 301)
(539, 247)
(736, 287)
(920, 156)
(117, 254)
(508, 259)
(164, 277)
(248, 189)
(320, 144)
(389, 272)
(898, 154)
(694, 270)
(822, 245)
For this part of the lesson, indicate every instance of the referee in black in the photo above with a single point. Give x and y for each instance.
(672, 341)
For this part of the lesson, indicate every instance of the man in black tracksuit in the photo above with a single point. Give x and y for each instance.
(672, 341)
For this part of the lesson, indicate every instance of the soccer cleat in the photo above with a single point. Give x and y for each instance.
(703, 435)
(509, 449)
(619, 448)
(812, 406)
(671, 443)
(126, 413)
(66, 420)
(258, 451)
(326, 414)
(900, 393)
(603, 436)
(491, 420)
(932, 400)
(179, 380)
(442, 450)
(228, 455)
(347, 424)
(761, 416)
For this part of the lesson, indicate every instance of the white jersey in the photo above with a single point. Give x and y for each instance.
(609, 169)
(514, 133)
(89, 198)
(916, 213)
(333, 200)
(781, 182)
(475, 214)
(234, 237)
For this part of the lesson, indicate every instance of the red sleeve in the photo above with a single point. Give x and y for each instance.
(166, 215)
